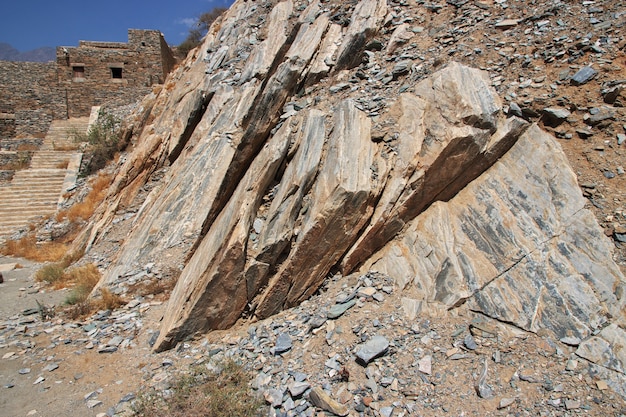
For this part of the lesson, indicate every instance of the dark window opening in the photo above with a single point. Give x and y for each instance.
(78, 71)
(116, 72)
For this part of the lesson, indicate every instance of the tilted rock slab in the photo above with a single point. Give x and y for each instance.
(517, 245)
(341, 197)
(262, 203)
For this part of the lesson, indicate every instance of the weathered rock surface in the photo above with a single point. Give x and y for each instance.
(264, 178)
(516, 244)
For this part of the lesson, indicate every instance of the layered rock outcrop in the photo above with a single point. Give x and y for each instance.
(277, 179)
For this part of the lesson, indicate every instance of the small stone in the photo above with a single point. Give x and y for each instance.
(425, 364)
(621, 138)
(571, 365)
(39, 380)
(507, 23)
(296, 389)
(554, 402)
(90, 395)
(366, 292)
(469, 342)
(452, 351)
(283, 344)
(128, 397)
(597, 115)
(273, 397)
(257, 225)
(51, 367)
(505, 402)
(93, 403)
(8, 355)
(482, 388)
(386, 411)
(24, 371)
(555, 116)
(584, 75)
(572, 404)
(321, 399)
(107, 349)
(602, 385)
(515, 110)
(584, 133)
(338, 310)
(31, 413)
(372, 349)
(338, 87)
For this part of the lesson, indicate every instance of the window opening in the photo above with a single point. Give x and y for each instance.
(116, 72)
(78, 71)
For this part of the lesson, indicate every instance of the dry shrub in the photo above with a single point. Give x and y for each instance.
(84, 278)
(203, 393)
(88, 306)
(59, 276)
(28, 248)
(108, 300)
(52, 274)
(86, 208)
(152, 287)
(79, 311)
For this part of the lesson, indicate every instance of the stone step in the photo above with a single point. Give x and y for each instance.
(35, 192)
(37, 201)
(26, 216)
(36, 184)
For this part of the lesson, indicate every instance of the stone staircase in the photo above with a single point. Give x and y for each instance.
(60, 136)
(35, 192)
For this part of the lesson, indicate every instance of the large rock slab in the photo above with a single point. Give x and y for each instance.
(516, 244)
(261, 182)
(448, 132)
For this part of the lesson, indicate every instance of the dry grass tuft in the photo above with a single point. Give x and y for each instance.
(152, 287)
(84, 278)
(204, 393)
(28, 248)
(84, 209)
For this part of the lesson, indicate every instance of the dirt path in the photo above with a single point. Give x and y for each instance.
(54, 368)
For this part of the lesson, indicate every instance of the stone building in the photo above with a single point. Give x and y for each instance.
(92, 74)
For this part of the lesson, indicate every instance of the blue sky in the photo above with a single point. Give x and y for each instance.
(31, 24)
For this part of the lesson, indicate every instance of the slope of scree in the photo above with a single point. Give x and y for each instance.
(291, 160)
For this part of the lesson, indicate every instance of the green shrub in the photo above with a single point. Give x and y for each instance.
(51, 273)
(104, 142)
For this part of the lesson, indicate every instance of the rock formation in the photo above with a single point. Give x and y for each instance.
(283, 168)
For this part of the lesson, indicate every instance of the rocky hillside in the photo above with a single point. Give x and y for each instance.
(428, 143)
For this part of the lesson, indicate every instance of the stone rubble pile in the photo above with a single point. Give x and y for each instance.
(357, 348)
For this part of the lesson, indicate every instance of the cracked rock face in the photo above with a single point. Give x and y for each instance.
(278, 178)
(516, 244)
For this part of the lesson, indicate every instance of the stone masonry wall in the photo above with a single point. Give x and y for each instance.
(112, 73)
(92, 74)
(26, 89)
